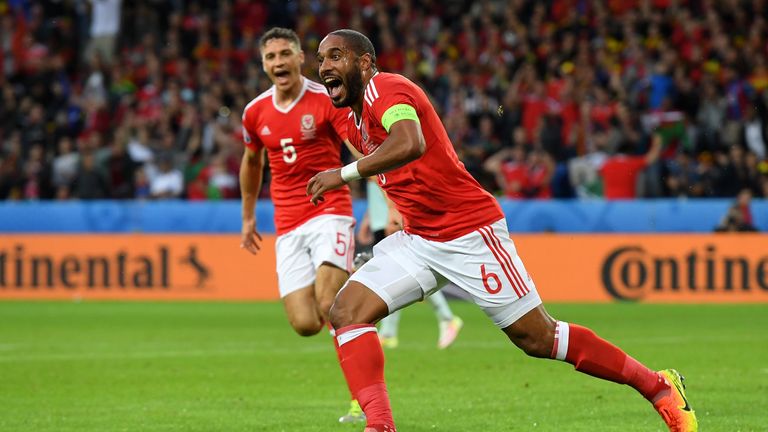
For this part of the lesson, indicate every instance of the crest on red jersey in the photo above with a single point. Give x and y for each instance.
(307, 126)
(364, 132)
(307, 122)
(368, 145)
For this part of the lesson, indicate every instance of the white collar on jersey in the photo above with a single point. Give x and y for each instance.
(286, 110)
(359, 122)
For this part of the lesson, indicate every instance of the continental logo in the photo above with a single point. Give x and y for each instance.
(163, 268)
(630, 272)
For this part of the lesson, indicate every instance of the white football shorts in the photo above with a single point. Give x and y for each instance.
(326, 238)
(405, 268)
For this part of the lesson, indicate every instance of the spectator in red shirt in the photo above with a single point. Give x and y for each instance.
(534, 108)
(620, 171)
(540, 169)
(510, 171)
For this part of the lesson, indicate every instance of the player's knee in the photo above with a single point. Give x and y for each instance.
(306, 327)
(356, 304)
(341, 315)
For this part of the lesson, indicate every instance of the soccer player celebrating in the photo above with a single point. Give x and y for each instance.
(453, 231)
(301, 131)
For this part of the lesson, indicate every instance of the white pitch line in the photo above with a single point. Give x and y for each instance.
(255, 351)
(261, 350)
(143, 355)
(683, 339)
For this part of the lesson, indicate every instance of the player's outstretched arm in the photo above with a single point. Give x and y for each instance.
(251, 169)
(404, 144)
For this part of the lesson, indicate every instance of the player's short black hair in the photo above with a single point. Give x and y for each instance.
(280, 33)
(359, 42)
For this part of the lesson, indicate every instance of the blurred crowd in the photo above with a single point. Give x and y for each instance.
(542, 99)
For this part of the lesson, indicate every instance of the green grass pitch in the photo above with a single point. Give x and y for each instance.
(105, 366)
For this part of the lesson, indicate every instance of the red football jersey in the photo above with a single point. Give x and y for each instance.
(515, 172)
(301, 139)
(438, 199)
(620, 176)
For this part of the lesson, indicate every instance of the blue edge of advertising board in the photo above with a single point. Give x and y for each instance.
(218, 217)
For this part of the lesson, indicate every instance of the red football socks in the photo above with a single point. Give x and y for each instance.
(599, 358)
(338, 354)
(363, 364)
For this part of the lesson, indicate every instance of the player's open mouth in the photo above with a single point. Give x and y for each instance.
(334, 86)
(282, 75)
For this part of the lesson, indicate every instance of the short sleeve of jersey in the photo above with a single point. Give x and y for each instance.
(250, 139)
(391, 102)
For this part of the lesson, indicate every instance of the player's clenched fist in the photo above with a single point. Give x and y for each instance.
(250, 238)
(323, 182)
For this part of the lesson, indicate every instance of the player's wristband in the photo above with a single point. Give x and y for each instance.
(349, 172)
